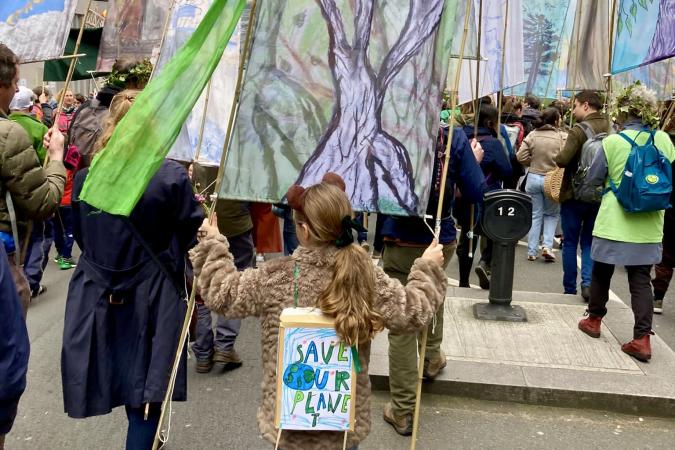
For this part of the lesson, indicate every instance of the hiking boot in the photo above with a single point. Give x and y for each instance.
(547, 254)
(531, 257)
(230, 358)
(483, 276)
(365, 246)
(57, 258)
(41, 289)
(402, 425)
(639, 348)
(586, 293)
(376, 254)
(432, 367)
(591, 326)
(66, 263)
(658, 306)
(204, 365)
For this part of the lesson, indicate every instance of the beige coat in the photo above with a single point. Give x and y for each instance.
(540, 147)
(266, 291)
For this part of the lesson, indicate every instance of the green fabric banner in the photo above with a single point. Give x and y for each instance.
(57, 70)
(121, 171)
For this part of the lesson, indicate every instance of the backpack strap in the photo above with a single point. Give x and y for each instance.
(587, 129)
(630, 141)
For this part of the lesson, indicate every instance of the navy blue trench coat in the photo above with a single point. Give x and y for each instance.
(125, 311)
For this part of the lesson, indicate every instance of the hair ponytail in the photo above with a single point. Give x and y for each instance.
(119, 106)
(348, 297)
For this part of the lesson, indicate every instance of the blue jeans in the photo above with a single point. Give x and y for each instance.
(578, 220)
(227, 330)
(543, 211)
(37, 253)
(141, 432)
(362, 236)
(63, 231)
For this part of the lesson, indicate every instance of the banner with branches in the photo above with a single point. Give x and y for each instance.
(348, 86)
(644, 33)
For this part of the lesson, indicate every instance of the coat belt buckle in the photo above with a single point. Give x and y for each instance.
(114, 301)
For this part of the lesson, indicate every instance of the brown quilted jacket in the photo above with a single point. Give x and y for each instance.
(266, 291)
(36, 192)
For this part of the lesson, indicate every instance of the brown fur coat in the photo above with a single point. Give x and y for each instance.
(266, 291)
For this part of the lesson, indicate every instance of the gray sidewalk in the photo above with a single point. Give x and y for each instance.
(547, 360)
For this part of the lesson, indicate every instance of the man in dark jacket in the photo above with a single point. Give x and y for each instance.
(531, 112)
(27, 191)
(405, 239)
(14, 349)
(577, 217)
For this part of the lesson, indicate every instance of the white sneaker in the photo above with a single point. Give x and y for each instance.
(548, 255)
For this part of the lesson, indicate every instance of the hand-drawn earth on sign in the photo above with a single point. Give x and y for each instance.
(316, 389)
(348, 86)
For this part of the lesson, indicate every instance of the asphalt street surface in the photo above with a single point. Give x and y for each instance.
(221, 408)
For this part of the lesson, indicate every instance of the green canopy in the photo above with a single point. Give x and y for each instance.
(57, 70)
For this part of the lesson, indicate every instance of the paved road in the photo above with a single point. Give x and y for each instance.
(222, 406)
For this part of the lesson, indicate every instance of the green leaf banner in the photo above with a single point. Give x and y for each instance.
(121, 171)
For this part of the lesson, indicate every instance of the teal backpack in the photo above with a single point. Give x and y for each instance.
(647, 178)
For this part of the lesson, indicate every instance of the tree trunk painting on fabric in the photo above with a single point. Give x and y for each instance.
(346, 86)
(374, 164)
(540, 39)
(663, 42)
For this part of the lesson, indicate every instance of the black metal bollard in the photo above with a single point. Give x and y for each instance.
(507, 217)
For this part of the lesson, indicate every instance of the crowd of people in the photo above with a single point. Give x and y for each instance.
(126, 298)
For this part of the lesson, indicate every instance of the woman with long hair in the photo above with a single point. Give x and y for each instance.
(327, 271)
(126, 300)
(538, 152)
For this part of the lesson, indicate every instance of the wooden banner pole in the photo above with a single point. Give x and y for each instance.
(193, 293)
(501, 73)
(71, 70)
(161, 41)
(611, 53)
(576, 55)
(203, 123)
(439, 215)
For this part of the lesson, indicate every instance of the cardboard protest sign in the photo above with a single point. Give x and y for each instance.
(316, 379)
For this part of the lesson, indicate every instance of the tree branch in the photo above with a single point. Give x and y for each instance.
(423, 19)
(363, 16)
(335, 25)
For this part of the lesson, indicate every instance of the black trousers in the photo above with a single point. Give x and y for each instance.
(641, 297)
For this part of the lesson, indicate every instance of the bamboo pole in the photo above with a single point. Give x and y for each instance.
(476, 108)
(203, 123)
(476, 112)
(193, 293)
(611, 53)
(576, 55)
(439, 213)
(557, 51)
(69, 76)
(161, 41)
(501, 73)
(669, 114)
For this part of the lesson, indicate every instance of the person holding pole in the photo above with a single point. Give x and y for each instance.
(329, 271)
(126, 300)
(405, 239)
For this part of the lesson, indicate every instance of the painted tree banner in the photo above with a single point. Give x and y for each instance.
(316, 376)
(133, 29)
(23, 25)
(348, 86)
(186, 16)
(644, 33)
(492, 37)
(588, 58)
(547, 26)
(658, 76)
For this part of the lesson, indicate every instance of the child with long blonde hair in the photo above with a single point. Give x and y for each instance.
(328, 271)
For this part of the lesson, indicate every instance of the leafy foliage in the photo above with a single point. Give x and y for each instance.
(636, 101)
(628, 17)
